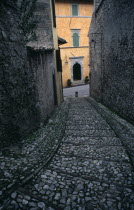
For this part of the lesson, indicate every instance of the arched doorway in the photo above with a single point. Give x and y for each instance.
(76, 71)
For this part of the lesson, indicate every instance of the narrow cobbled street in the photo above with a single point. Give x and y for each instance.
(91, 168)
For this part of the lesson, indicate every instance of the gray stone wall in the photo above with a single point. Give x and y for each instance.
(42, 63)
(42, 60)
(97, 4)
(44, 30)
(18, 113)
(112, 61)
(26, 75)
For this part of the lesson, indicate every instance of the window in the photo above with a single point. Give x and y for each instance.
(74, 9)
(75, 37)
(75, 40)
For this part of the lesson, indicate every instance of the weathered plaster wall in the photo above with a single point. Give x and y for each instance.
(74, 52)
(112, 56)
(85, 9)
(18, 112)
(64, 26)
(65, 23)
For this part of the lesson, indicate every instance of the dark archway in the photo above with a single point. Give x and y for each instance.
(77, 71)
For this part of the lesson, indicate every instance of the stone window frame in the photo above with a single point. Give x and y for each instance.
(79, 60)
(72, 10)
(73, 31)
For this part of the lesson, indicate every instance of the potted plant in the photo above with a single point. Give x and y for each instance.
(69, 83)
(86, 80)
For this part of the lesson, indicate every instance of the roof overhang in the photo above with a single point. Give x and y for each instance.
(61, 41)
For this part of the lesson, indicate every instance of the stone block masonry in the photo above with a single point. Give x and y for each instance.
(18, 110)
(112, 62)
(41, 64)
(26, 75)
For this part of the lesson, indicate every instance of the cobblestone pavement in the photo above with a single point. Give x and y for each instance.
(91, 169)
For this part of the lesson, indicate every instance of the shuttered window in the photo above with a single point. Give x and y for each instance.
(74, 9)
(75, 40)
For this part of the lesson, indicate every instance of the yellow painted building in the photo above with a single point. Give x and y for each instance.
(73, 18)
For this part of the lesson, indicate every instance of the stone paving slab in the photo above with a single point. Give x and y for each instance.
(105, 153)
(123, 129)
(81, 117)
(20, 161)
(89, 132)
(91, 124)
(88, 127)
(91, 169)
(102, 141)
(62, 191)
(103, 171)
(83, 90)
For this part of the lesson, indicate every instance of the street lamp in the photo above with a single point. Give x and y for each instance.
(92, 43)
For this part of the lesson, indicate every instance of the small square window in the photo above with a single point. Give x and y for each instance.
(74, 9)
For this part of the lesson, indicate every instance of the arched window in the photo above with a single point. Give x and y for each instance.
(75, 40)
